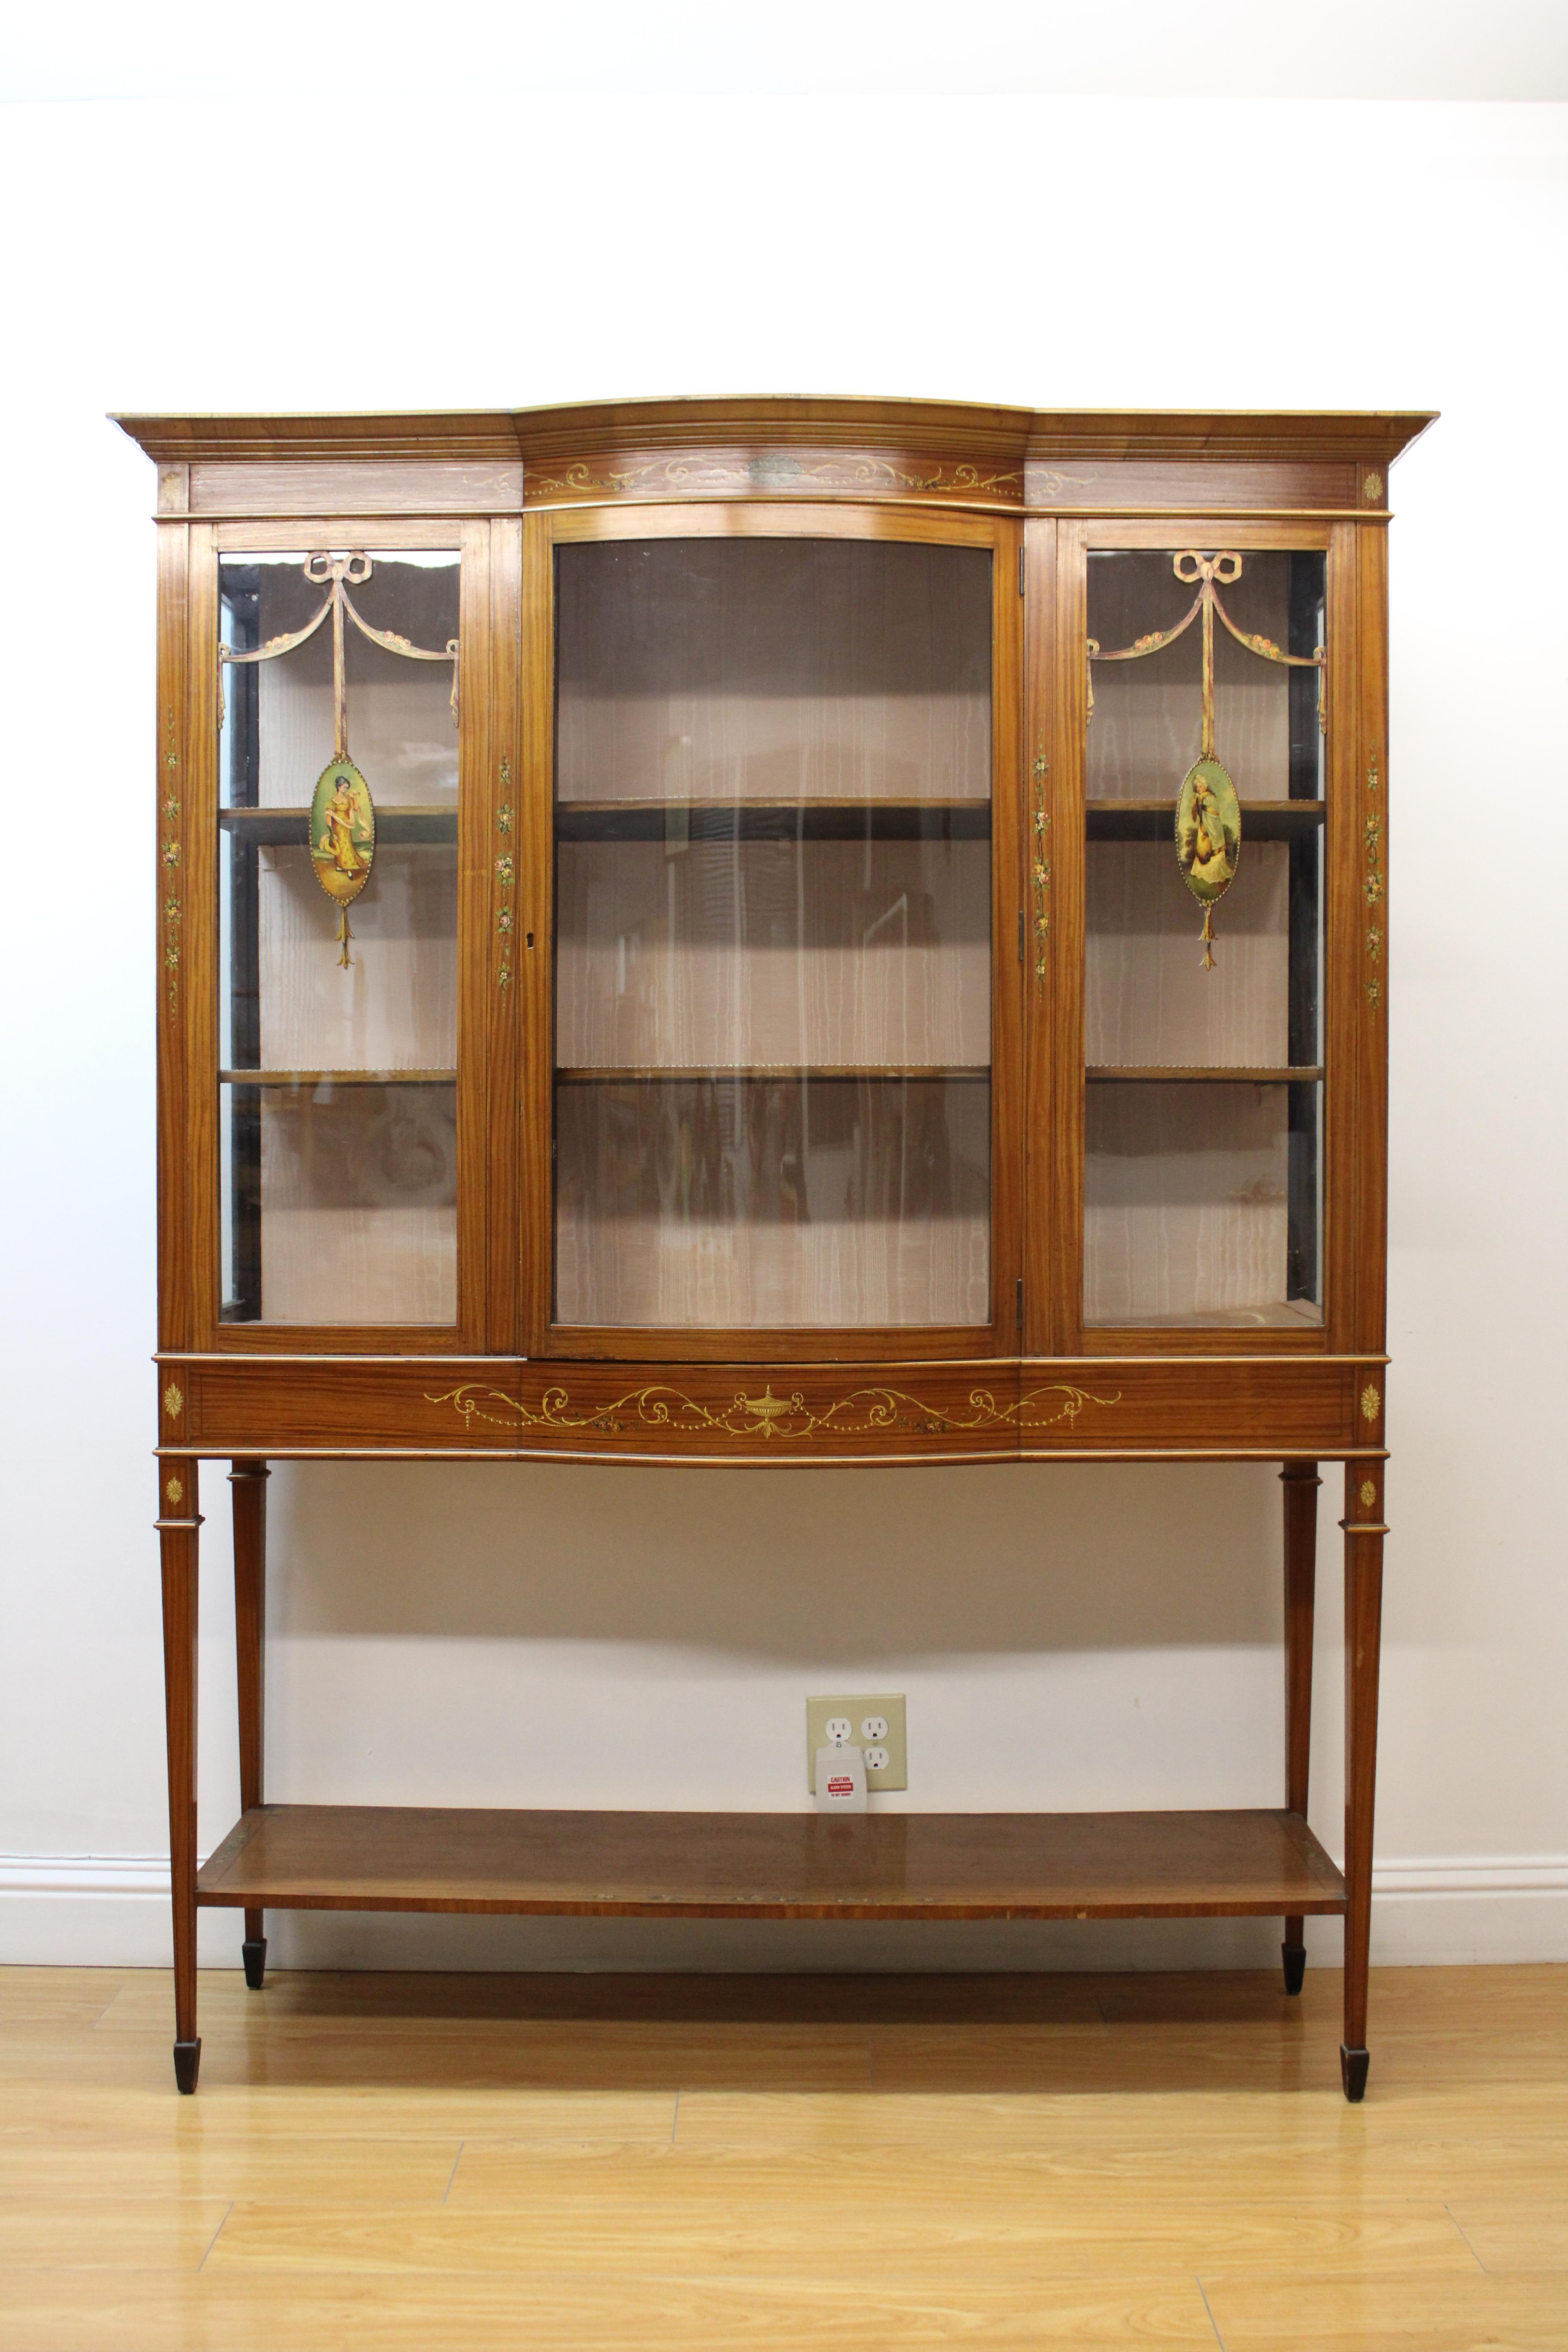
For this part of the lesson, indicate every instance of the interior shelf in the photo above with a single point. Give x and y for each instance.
(403, 826)
(337, 1078)
(1101, 1073)
(767, 1072)
(817, 819)
(775, 1865)
(1132, 820)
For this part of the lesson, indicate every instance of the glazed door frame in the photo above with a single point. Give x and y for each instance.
(543, 533)
(190, 1285)
(1353, 1145)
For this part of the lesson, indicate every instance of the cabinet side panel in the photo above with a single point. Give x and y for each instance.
(1343, 1002)
(1371, 963)
(175, 1306)
(199, 800)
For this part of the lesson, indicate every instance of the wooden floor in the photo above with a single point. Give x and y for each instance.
(414, 2164)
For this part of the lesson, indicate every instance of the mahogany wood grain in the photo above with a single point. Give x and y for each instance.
(1009, 772)
(201, 940)
(335, 528)
(468, 435)
(1185, 486)
(775, 518)
(1368, 971)
(1230, 1406)
(1300, 1483)
(761, 445)
(176, 1307)
(1069, 786)
(1039, 906)
(740, 470)
(1345, 1144)
(1364, 1534)
(179, 1519)
(501, 963)
(373, 488)
(775, 1865)
(247, 1480)
(477, 802)
(536, 922)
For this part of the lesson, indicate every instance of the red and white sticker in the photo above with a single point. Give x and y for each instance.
(839, 1784)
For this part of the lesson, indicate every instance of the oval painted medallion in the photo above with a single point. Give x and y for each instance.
(1208, 831)
(342, 830)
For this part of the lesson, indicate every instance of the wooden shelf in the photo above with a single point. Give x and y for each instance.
(767, 1073)
(773, 1865)
(1156, 820)
(1107, 1074)
(405, 825)
(337, 1078)
(807, 820)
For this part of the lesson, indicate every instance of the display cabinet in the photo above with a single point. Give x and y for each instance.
(773, 931)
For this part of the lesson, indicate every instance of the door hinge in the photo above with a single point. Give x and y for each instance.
(1020, 1302)
(1021, 562)
(1020, 935)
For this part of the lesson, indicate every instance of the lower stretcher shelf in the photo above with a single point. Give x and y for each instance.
(773, 1865)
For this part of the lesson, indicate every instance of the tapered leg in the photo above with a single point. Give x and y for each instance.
(178, 1521)
(248, 1482)
(1364, 1531)
(1301, 1482)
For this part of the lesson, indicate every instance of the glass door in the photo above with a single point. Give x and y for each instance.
(773, 926)
(1205, 786)
(337, 876)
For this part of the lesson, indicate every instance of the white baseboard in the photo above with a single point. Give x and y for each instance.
(111, 1911)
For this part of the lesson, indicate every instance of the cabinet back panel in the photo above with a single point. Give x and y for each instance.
(1148, 999)
(773, 670)
(737, 953)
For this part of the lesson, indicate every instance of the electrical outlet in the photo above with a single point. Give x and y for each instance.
(844, 1718)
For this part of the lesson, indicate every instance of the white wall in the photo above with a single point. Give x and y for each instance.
(1067, 1635)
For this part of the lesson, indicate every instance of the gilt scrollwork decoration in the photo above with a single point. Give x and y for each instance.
(506, 875)
(1208, 808)
(169, 852)
(1040, 863)
(1371, 880)
(342, 813)
(659, 1407)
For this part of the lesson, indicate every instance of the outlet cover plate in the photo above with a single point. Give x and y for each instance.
(895, 1773)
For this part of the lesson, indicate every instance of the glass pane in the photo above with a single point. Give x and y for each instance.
(343, 1202)
(730, 1201)
(774, 934)
(278, 730)
(339, 1195)
(1201, 1199)
(1147, 726)
(1195, 1205)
